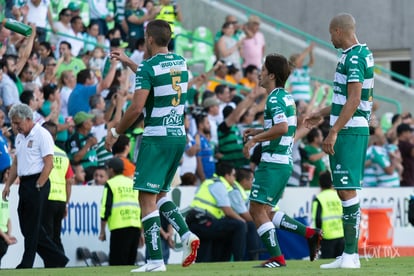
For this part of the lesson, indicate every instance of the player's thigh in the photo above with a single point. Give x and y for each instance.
(156, 166)
(347, 164)
(269, 183)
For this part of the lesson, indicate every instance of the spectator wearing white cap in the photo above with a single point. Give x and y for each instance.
(211, 107)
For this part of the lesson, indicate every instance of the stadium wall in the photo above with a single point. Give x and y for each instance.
(82, 225)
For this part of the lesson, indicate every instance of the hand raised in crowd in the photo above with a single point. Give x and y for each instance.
(155, 10)
(24, 10)
(109, 140)
(6, 131)
(3, 49)
(92, 141)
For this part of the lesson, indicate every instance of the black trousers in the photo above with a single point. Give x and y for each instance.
(332, 248)
(219, 239)
(3, 248)
(123, 246)
(52, 220)
(30, 209)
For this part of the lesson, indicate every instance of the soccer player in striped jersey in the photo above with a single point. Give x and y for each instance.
(276, 163)
(347, 139)
(160, 93)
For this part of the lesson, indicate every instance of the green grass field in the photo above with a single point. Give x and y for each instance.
(384, 266)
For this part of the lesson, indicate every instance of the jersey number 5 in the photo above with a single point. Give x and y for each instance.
(176, 87)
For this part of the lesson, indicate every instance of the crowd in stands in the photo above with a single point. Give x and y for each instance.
(64, 72)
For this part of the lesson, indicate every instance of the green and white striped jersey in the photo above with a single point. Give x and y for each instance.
(374, 174)
(300, 84)
(355, 65)
(166, 77)
(280, 107)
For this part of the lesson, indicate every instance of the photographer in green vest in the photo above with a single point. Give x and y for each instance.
(120, 210)
(61, 180)
(327, 215)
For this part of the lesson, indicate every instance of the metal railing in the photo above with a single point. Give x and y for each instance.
(388, 100)
(309, 38)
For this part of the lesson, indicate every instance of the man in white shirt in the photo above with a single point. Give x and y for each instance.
(32, 164)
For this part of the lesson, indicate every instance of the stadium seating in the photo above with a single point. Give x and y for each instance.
(203, 33)
(202, 48)
(202, 53)
(182, 41)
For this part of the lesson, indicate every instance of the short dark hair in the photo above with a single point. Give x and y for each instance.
(51, 127)
(313, 133)
(83, 75)
(279, 66)
(227, 111)
(226, 25)
(120, 144)
(160, 31)
(220, 89)
(223, 168)
(199, 118)
(26, 96)
(242, 174)
(250, 69)
(140, 42)
(74, 18)
(49, 89)
(325, 180)
(67, 44)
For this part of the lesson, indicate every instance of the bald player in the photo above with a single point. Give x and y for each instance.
(349, 119)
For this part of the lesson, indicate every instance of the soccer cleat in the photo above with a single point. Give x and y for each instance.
(314, 244)
(190, 246)
(335, 264)
(344, 261)
(273, 262)
(151, 267)
(350, 261)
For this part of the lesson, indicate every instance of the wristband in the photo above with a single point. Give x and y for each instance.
(114, 133)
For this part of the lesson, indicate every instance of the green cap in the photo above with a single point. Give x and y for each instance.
(74, 6)
(81, 117)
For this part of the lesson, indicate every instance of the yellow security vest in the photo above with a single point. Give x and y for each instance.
(244, 193)
(204, 200)
(4, 215)
(125, 210)
(331, 215)
(167, 13)
(57, 176)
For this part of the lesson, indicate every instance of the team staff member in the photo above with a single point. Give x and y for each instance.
(212, 218)
(171, 13)
(276, 164)
(120, 210)
(161, 88)
(33, 163)
(349, 120)
(327, 215)
(61, 179)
